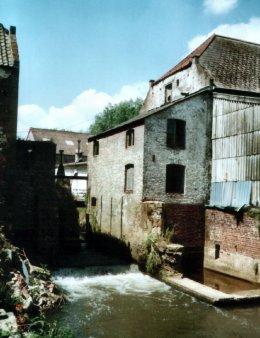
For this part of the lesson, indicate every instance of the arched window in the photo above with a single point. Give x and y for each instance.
(130, 138)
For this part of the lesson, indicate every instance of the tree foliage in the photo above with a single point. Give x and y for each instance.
(115, 114)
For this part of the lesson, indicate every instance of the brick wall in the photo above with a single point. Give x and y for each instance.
(239, 243)
(187, 222)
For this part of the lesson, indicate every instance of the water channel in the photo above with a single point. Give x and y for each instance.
(122, 302)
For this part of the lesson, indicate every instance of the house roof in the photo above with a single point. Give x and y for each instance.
(64, 140)
(231, 63)
(8, 47)
(187, 61)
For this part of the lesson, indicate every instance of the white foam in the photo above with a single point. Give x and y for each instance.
(129, 282)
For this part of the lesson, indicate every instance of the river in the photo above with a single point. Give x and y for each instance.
(122, 302)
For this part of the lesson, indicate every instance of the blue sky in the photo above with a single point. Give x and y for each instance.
(78, 55)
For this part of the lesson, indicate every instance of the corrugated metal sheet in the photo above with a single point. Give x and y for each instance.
(230, 194)
(255, 199)
(244, 168)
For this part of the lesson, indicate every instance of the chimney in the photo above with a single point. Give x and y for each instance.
(79, 153)
(61, 171)
(13, 30)
(151, 83)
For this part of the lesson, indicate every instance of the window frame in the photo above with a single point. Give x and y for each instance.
(130, 138)
(129, 180)
(168, 93)
(95, 148)
(176, 133)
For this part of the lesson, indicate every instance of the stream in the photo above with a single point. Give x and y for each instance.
(122, 302)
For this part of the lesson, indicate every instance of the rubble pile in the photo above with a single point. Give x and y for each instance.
(31, 286)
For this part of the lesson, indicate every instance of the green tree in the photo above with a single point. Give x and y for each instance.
(115, 114)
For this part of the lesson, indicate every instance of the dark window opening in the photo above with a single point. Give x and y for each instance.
(93, 201)
(177, 82)
(130, 138)
(176, 133)
(175, 175)
(96, 148)
(129, 177)
(217, 251)
(168, 93)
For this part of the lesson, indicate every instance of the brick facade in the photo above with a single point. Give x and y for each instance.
(237, 236)
(187, 222)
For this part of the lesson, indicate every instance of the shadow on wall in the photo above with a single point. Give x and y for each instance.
(110, 245)
(68, 216)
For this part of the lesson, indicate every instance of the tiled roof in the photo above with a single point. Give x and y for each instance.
(186, 62)
(8, 47)
(65, 140)
(231, 63)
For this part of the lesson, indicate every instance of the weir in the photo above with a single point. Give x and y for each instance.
(120, 301)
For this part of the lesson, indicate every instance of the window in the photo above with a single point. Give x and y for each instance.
(176, 133)
(130, 138)
(96, 148)
(217, 251)
(168, 93)
(129, 177)
(93, 201)
(175, 174)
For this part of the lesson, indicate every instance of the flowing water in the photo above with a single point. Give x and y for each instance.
(121, 302)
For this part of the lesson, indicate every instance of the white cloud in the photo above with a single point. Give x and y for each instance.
(78, 115)
(219, 6)
(245, 31)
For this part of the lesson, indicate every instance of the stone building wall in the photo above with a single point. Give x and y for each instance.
(112, 209)
(196, 156)
(183, 213)
(232, 244)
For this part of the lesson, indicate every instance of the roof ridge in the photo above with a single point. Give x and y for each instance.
(236, 39)
(186, 62)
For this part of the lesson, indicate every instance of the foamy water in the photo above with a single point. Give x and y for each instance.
(84, 284)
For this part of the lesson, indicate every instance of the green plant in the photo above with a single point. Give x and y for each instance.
(153, 260)
(255, 213)
(169, 234)
(7, 301)
(40, 327)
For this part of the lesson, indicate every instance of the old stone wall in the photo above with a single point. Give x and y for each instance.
(8, 121)
(232, 244)
(112, 209)
(189, 80)
(35, 211)
(196, 156)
